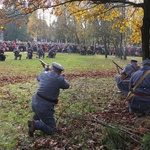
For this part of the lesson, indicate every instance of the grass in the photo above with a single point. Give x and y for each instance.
(86, 97)
(71, 63)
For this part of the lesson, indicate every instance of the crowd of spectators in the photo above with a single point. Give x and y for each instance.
(52, 48)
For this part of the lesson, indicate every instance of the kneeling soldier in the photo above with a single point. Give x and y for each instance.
(45, 99)
(140, 102)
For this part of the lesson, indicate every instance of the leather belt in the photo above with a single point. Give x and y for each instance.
(142, 95)
(47, 99)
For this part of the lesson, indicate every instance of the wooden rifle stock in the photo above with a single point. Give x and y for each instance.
(43, 63)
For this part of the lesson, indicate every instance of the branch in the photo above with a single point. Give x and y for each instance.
(41, 6)
(118, 1)
(122, 129)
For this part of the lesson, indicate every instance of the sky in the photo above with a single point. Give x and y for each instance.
(48, 17)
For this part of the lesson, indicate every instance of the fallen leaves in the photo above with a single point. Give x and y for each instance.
(88, 100)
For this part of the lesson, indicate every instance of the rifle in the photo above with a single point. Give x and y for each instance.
(43, 63)
(118, 67)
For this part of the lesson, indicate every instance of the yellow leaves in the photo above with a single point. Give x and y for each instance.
(135, 37)
(132, 20)
(110, 15)
(2, 28)
(83, 11)
(139, 14)
(97, 9)
(114, 13)
(136, 24)
(123, 18)
(56, 13)
(114, 26)
(122, 29)
(136, 32)
(108, 18)
(127, 23)
(77, 17)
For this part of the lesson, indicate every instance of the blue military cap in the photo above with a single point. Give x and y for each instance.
(146, 62)
(133, 60)
(57, 66)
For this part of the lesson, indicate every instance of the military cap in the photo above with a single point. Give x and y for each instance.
(146, 62)
(133, 60)
(57, 66)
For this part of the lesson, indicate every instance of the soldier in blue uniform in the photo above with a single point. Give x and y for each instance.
(40, 52)
(17, 54)
(140, 103)
(29, 53)
(123, 79)
(46, 97)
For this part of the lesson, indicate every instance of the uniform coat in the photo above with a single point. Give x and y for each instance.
(50, 84)
(140, 103)
(123, 84)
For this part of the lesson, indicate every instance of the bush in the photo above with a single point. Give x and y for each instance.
(114, 139)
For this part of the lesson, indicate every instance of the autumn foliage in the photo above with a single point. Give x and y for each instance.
(103, 113)
(82, 10)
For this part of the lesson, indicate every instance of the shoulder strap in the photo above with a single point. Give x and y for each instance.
(140, 80)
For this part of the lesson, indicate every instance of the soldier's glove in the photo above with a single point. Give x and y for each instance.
(47, 67)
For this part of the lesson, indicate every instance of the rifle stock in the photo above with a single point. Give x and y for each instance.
(43, 63)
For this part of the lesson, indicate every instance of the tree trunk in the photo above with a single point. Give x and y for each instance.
(121, 48)
(77, 39)
(105, 46)
(125, 53)
(145, 29)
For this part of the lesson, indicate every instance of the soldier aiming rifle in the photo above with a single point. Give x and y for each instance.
(46, 97)
(124, 76)
(45, 64)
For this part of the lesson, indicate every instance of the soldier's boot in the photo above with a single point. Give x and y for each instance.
(31, 125)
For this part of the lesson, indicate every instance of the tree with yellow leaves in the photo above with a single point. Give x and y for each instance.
(37, 27)
(137, 14)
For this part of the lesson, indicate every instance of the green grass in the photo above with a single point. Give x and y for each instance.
(86, 96)
(71, 63)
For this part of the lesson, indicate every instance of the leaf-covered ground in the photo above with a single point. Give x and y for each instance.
(92, 105)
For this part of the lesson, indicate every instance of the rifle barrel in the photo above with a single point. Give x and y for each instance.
(117, 65)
